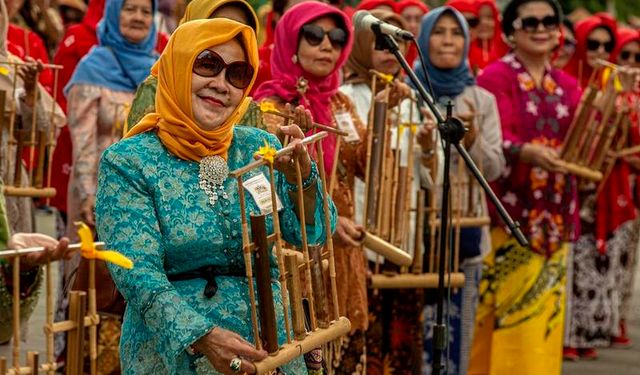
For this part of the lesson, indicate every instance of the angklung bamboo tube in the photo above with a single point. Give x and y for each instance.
(268, 327)
(3, 101)
(17, 176)
(418, 256)
(295, 295)
(279, 254)
(390, 252)
(374, 171)
(579, 120)
(415, 281)
(319, 288)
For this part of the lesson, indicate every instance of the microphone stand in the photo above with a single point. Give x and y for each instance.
(451, 131)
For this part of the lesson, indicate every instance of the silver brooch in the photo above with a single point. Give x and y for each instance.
(213, 173)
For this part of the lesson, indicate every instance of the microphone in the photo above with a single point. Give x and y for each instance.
(362, 19)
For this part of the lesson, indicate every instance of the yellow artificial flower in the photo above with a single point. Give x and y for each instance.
(267, 152)
(88, 249)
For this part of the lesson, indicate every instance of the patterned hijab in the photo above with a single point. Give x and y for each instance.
(173, 119)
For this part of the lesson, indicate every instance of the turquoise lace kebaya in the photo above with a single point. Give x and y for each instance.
(150, 208)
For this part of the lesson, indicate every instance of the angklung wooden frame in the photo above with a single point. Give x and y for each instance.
(598, 119)
(388, 208)
(82, 315)
(325, 326)
(40, 142)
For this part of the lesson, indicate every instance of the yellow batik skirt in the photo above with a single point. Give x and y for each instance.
(520, 316)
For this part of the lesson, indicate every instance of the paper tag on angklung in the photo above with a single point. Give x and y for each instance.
(260, 190)
(345, 123)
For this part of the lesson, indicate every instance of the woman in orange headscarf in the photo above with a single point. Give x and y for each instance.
(188, 308)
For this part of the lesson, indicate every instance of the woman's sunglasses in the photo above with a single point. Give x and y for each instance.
(531, 24)
(473, 22)
(594, 45)
(314, 35)
(210, 64)
(627, 55)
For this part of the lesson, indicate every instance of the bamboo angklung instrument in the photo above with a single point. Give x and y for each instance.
(39, 141)
(82, 315)
(595, 124)
(326, 325)
(375, 190)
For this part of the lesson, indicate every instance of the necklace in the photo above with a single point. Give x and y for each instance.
(213, 172)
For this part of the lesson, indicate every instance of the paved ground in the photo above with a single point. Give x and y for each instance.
(611, 362)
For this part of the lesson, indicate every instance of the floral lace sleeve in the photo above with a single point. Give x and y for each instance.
(126, 223)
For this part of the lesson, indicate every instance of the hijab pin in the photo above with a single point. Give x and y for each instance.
(302, 85)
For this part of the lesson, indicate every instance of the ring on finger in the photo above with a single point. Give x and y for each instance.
(236, 365)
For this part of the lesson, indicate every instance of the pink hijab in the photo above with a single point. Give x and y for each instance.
(285, 73)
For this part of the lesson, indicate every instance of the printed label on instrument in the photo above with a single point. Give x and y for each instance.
(260, 190)
(345, 123)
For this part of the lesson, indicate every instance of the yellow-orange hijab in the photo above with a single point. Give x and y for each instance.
(202, 9)
(173, 116)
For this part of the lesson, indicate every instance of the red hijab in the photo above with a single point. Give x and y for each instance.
(412, 51)
(578, 66)
(464, 6)
(373, 4)
(285, 72)
(482, 55)
(623, 37)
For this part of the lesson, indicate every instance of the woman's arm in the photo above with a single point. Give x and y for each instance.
(127, 223)
(488, 144)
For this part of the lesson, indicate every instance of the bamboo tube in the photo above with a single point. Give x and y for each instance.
(574, 134)
(465, 222)
(628, 151)
(288, 352)
(3, 103)
(283, 151)
(279, 255)
(268, 326)
(39, 249)
(17, 176)
(12, 114)
(295, 295)
(580, 171)
(433, 216)
(413, 281)
(75, 338)
(3, 366)
(305, 244)
(319, 288)
(50, 316)
(20, 63)
(458, 213)
(329, 235)
(52, 131)
(386, 194)
(31, 192)
(246, 252)
(374, 170)
(418, 256)
(38, 181)
(315, 125)
(16, 313)
(33, 362)
(593, 131)
(336, 160)
(603, 147)
(93, 313)
(388, 251)
(34, 132)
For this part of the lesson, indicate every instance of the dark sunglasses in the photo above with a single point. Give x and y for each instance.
(594, 45)
(531, 24)
(210, 64)
(473, 22)
(314, 35)
(626, 56)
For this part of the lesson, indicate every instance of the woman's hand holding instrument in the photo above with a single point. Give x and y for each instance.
(223, 347)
